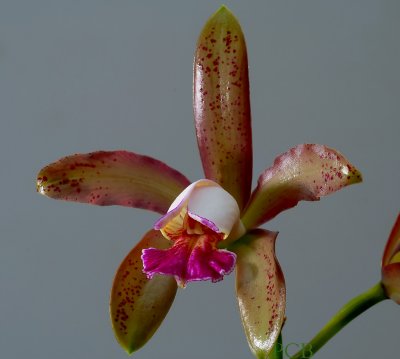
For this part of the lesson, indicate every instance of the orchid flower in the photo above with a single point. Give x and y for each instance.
(391, 263)
(209, 226)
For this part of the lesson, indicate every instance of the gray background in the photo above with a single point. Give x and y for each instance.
(78, 76)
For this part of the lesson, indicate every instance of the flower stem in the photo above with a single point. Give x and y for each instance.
(346, 314)
(276, 352)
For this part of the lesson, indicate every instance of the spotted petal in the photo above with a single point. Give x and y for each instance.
(112, 178)
(260, 288)
(306, 172)
(222, 105)
(138, 305)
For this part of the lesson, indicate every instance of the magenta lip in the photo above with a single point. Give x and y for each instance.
(188, 265)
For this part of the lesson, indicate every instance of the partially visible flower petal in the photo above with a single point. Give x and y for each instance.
(392, 247)
(207, 203)
(391, 280)
(260, 288)
(139, 305)
(306, 172)
(391, 263)
(112, 178)
(190, 259)
(222, 105)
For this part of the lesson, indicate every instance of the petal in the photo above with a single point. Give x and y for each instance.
(206, 202)
(112, 178)
(392, 247)
(222, 105)
(306, 172)
(260, 288)
(189, 261)
(139, 305)
(391, 281)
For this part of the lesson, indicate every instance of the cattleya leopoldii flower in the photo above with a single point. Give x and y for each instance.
(391, 263)
(211, 225)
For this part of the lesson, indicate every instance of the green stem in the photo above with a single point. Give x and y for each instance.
(351, 310)
(276, 352)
